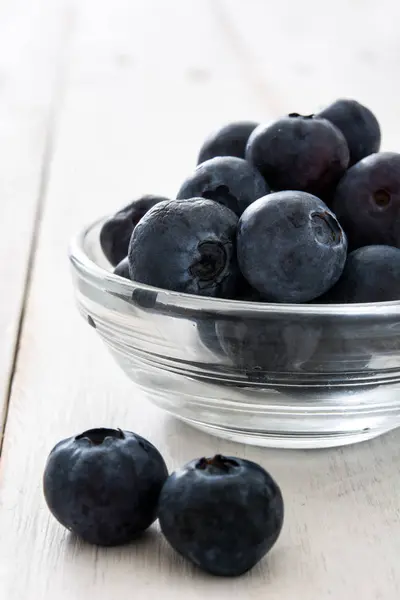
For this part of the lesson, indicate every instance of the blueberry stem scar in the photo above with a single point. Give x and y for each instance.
(97, 436)
(218, 461)
(297, 115)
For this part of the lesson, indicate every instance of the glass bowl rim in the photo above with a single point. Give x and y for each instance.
(100, 277)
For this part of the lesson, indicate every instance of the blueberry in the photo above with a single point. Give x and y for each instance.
(186, 246)
(248, 294)
(290, 247)
(207, 325)
(122, 268)
(104, 485)
(358, 125)
(259, 347)
(367, 201)
(299, 153)
(229, 140)
(222, 513)
(371, 274)
(230, 181)
(208, 336)
(117, 230)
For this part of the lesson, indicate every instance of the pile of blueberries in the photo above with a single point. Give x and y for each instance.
(304, 209)
(108, 486)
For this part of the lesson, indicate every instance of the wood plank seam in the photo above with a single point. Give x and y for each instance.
(48, 151)
(269, 99)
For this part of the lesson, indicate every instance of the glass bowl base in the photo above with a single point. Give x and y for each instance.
(292, 441)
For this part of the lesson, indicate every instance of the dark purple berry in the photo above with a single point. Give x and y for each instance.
(358, 125)
(232, 182)
(229, 140)
(187, 246)
(371, 274)
(290, 247)
(367, 201)
(104, 485)
(122, 268)
(117, 230)
(222, 513)
(299, 153)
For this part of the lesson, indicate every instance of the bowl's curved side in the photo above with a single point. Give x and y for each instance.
(261, 375)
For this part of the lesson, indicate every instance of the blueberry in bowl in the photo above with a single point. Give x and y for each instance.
(186, 246)
(371, 274)
(122, 268)
(291, 247)
(367, 201)
(231, 181)
(358, 125)
(228, 140)
(297, 152)
(263, 304)
(116, 231)
(263, 347)
(300, 387)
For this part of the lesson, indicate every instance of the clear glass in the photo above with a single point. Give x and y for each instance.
(293, 376)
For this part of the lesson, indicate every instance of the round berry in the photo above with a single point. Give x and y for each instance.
(229, 140)
(117, 230)
(122, 268)
(187, 246)
(104, 485)
(290, 247)
(358, 124)
(371, 274)
(230, 181)
(299, 153)
(222, 513)
(367, 201)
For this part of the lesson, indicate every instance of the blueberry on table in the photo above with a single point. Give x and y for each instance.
(229, 140)
(222, 513)
(122, 268)
(232, 182)
(299, 153)
(290, 247)
(367, 201)
(187, 246)
(104, 485)
(371, 274)
(117, 230)
(358, 124)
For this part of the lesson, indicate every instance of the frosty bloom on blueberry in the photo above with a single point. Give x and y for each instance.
(230, 181)
(104, 485)
(367, 201)
(122, 268)
(371, 274)
(187, 246)
(358, 125)
(299, 153)
(117, 230)
(227, 236)
(229, 140)
(290, 247)
(222, 513)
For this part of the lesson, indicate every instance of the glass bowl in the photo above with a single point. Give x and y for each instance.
(292, 376)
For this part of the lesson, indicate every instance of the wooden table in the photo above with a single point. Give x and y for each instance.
(103, 100)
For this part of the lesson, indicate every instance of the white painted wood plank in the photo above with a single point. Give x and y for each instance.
(31, 40)
(303, 57)
(146, 81)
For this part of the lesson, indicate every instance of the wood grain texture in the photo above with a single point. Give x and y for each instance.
(32, 36)
(146, 82)
(301, 57)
